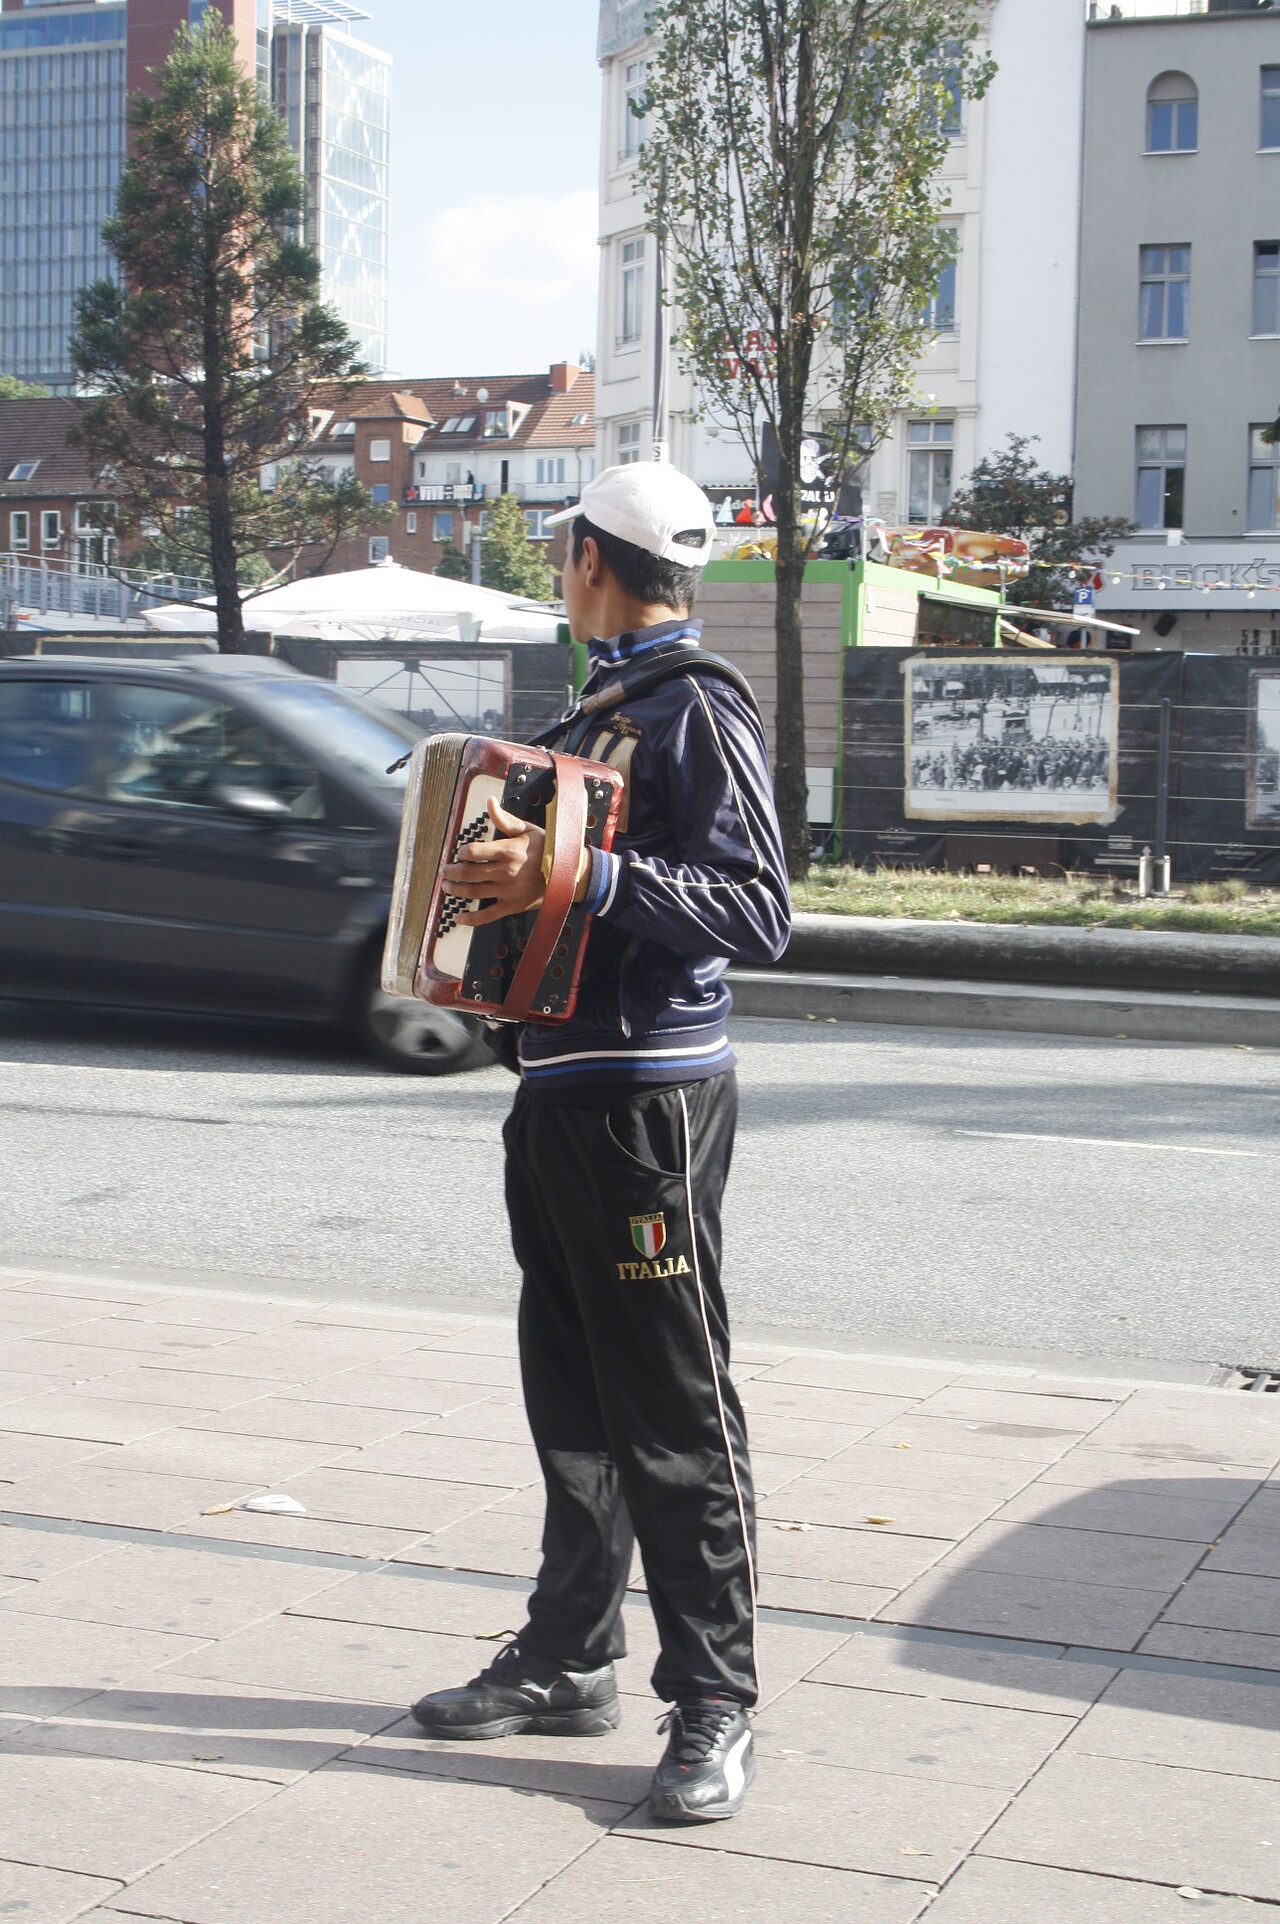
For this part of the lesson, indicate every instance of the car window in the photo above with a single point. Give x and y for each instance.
(177, 748)
(362, 735)
(46, 734)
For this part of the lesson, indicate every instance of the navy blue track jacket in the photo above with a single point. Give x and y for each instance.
(696, 879)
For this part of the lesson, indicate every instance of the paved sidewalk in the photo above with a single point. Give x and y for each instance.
(1021, 1638)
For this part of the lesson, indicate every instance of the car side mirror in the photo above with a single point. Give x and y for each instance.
(255, 802)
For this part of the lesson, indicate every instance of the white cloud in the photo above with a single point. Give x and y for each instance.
(504, 281)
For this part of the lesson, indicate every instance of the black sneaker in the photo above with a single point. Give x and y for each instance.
(521, 1692)
(708, 1765)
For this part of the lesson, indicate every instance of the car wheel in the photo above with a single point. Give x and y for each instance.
(415, 1037)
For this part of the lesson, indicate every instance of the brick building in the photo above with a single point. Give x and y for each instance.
(47, 490)
(441, 452)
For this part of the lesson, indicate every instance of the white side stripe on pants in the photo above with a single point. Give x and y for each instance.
(715, 1379)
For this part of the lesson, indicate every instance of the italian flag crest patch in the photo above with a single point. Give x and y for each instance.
(649, 1233)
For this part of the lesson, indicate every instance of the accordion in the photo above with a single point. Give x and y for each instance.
(524, 967)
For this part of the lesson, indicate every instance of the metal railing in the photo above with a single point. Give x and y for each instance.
(61, 587)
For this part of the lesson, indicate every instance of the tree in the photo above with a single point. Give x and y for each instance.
(453, 564)
(12, 389)
(508, 559)
(1010, 493)
(204, 360)
(790, 167)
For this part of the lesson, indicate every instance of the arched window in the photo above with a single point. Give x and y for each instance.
(1173, 114)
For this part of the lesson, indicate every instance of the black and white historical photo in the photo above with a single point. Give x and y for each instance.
(1010, 739)
(444, 696)
(1264, 758)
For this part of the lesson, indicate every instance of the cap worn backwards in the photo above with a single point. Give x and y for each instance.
(651, 505)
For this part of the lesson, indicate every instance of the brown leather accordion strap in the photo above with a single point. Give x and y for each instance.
(562, 881)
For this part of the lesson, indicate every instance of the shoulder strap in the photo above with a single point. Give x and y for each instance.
(647, 672)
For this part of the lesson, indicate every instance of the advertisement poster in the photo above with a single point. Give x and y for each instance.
(1008, 739)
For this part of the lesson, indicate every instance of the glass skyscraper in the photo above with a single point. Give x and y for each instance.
(64, 70)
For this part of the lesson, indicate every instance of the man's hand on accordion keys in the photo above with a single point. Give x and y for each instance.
(505, 872)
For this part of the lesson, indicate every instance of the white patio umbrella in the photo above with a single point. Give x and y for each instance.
(385, 602)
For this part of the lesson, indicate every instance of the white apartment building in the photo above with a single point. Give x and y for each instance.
(1004, 353)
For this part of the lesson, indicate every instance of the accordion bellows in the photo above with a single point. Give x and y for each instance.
(524, 967)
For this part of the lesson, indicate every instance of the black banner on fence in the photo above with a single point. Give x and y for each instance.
(959, 758)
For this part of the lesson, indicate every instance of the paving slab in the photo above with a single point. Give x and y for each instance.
(1017, 1406)
(857, 1505)
(1044, 1549)
(1126, 1512)
(452, 1606)
(629, 1880)
(87, 1419)
(343, 1424)
(303, 1533)
(454, 1366)
(414, 1395)
(773, 1471)
(924, 1737)
(497, 1419)
(962, 1673)
(480, 1339)
(356, 1843)
(1037, 1442)
(819, 1369)
(1119, 1470)
(848, 1556)
(97, 1492)
(1224, 1602)
(342, 1661)
(879, 1464)
(770, 1395)
(823, 1596)
(245, 1732)
(617, 1768)
(468, 1459)
(1203, 1723)
(508, 1546)
(1118, 1818)
(250, 1460)
(48, 1664)
(25, 1454)
(32, 1554)
(1045, 1609)
(113, 1332)
(192, 1593)
(49, 1897)
(1251, 1547)
(818, 1440)
(109, 1817)
(397, 1502)
(303, 1352)
(858, 1820)
(1195, 1426)
(18, 1386)
(1213, 1646)
(984, 1891)
(196, 1388)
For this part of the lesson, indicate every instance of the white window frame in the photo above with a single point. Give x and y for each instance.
(1263, 460)
(635, 75)
(379, 548)
(379, 450)
(1266, 276)
(927, 453)
(411, 522)
(23, 471)
(550, 470)
(628, 442)
(535, 520)
(439, 515)
(631, 266)
(20, 530)
(1166, 277)
(1269, 89)
(50, 528)
(1162, 463)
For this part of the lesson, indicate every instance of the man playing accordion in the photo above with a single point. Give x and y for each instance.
(618, 1148)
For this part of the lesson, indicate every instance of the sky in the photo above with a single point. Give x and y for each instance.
(495, 131)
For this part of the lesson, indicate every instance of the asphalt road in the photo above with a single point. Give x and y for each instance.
(910, 1187)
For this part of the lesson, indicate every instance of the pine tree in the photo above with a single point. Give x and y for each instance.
(509, 559)
(204, 358)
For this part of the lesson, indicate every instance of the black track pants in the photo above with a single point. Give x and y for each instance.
(624, 1347)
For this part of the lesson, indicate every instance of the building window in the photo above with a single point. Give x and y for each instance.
(1162, 466)
(381, 493)
(496, 424)
(1269, 135)
(1173, 115)
(930, 445)
(23, 471)
(50, 528)
(1165, 298)
(20, 529)
(442, 527)
(1264, 481)
(550, 470)
(1266, 287)
(948, 113)
(535, 521)
(379, 547)
(452, 472)
(379, 450)
(628, 442)
(411, 522)
(633, 85)
(632, 303)
(939, 314)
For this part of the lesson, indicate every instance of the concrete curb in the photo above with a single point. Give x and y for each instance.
(1025, 1007)
(1230, 965)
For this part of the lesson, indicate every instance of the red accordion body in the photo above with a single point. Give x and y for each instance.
(525, 967)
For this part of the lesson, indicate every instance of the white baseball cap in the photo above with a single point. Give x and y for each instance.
(653, 506)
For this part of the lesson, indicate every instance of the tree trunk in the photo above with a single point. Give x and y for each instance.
(790, 783)
(226, 571)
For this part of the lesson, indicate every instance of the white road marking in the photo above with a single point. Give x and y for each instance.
(1109, 1142)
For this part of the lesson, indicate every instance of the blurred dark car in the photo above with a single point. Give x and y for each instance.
(217, 833)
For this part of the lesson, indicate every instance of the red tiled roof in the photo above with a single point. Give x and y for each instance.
(548, 422)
